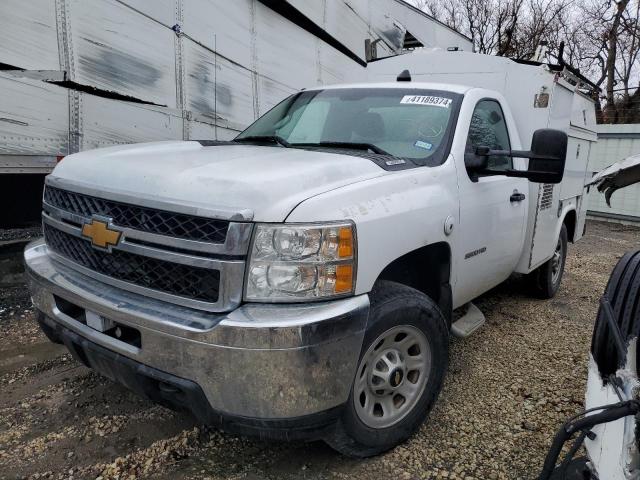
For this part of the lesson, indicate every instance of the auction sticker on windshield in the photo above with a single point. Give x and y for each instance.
(426, 100)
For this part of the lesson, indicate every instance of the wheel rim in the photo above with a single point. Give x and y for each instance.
(556, 263)
(392, 376)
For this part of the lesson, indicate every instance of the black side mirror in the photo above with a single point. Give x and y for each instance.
(547, 158)
(478, 160)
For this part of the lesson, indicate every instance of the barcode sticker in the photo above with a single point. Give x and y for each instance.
(426, 100)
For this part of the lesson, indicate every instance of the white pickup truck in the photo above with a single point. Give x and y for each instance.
(301, 280)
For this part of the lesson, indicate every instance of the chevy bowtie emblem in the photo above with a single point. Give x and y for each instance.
(101, 233)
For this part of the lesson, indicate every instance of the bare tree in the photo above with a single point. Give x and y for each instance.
(627, 66)
(511, 28)
(601, 37)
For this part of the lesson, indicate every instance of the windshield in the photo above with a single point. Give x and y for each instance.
(412, 124)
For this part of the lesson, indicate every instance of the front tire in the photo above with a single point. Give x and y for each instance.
(402, 364)
(546, 279)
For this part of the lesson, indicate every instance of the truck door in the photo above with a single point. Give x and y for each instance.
(493, 208)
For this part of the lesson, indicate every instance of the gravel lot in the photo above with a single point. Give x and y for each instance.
(509, 387)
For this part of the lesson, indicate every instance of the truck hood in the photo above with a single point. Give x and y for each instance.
(264, 183)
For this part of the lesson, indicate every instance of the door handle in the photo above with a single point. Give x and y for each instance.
(517, 197)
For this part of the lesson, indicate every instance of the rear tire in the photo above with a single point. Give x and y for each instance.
(546, 279)
(402, 364)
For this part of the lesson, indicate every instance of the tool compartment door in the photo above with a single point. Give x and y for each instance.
(574, 113)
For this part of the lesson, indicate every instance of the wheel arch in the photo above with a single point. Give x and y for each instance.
(570, 220)
(428, 270)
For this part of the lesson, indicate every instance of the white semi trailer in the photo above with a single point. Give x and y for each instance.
(83, 74)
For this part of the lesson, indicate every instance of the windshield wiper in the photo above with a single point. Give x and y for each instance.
(264, 138)
(352, 145)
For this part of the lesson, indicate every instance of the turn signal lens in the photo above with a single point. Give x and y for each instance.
(344, 279)
(345, 243)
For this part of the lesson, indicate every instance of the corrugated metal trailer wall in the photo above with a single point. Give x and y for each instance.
(616, 142)
(136, 70)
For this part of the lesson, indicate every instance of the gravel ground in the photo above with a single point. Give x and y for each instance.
(509, 387)
(24, 233)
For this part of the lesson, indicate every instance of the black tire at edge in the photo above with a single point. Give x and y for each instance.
(623, 293)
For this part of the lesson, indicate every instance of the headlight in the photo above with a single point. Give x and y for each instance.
(295, 262)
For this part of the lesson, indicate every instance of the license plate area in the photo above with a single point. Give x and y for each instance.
(98, 322)
(106, 326)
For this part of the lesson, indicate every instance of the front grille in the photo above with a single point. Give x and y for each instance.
(167, 277)
(140, 218)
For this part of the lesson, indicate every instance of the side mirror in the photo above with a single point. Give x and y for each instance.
(547, 158)
(477, 161)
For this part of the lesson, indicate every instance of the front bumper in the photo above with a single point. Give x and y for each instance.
(258, 362)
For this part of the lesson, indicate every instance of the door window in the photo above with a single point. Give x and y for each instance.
(489, 129)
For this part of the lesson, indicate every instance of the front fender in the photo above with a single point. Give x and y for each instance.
(394, 214)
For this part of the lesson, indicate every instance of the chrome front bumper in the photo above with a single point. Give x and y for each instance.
(258, 361)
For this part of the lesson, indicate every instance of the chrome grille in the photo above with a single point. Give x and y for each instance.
(145, 219)
(192, 261)
(171, 278)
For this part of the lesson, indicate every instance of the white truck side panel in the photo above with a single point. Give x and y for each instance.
(343, 23)
(223, 26)
(163, 11)
(224, 134)
(437, 35)
(128, 48)
(336, 68)
(217, 88)
(314, 11)
(34, 118)
(270, 93)
(113, 50)
(28, 37)
(200, 130)
(107, 122)
(284, 51)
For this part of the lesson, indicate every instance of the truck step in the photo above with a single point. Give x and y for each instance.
(467, 319)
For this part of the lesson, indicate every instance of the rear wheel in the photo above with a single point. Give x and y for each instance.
(546, 279)
(400, 372)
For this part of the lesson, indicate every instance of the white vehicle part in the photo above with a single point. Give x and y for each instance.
(470, 321)
(522, 85)
(613, 453)
(395, 214)
(274, 180)
(619, 175)
(489, 240)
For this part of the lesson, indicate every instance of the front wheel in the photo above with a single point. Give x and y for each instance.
(546, 279)
(402, 365)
